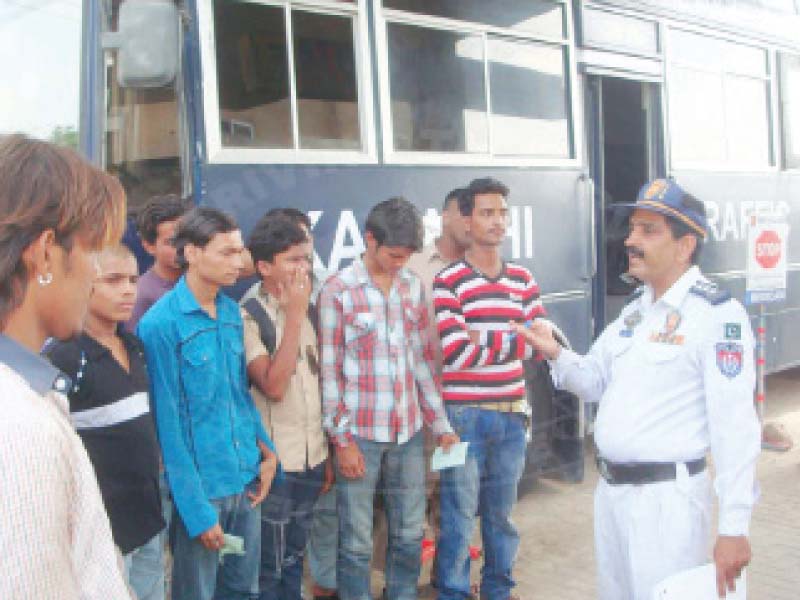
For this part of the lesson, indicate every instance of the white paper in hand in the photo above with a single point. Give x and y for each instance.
(455, 457)
(699, 583)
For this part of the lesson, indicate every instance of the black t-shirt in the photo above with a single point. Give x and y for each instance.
(110, 409)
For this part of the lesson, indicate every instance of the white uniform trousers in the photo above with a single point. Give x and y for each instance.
(644, 533)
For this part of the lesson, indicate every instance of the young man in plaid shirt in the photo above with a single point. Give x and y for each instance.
(377, 389)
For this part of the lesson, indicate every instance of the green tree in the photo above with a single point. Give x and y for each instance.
(65, 135)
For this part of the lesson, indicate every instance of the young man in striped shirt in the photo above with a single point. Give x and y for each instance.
(377, 389)
(484, 393)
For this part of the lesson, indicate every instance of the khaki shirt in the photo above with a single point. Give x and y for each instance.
(295, 422)
(426, 264)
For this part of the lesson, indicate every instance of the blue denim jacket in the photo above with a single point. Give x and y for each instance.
(207, 422)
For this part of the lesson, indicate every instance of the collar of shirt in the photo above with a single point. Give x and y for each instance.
(227, 310)
(95, 350)
(677, 292)
(362, 276)
(39, 374)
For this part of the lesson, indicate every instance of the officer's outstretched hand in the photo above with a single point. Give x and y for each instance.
(540, 336)
(731, 555)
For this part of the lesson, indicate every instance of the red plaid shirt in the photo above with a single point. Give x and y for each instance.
(376, 359)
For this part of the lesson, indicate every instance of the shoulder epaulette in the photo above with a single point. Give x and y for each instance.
(710, 292)
(635, 294)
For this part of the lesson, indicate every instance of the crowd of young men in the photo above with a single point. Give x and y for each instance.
(254, 410)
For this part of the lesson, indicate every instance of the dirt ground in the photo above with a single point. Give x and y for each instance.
(556, 558)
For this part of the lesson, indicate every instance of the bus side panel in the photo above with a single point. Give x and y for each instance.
(555, 204)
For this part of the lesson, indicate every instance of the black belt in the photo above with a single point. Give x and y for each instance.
(645, 472)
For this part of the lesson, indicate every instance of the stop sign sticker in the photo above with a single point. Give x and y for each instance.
(766, 259)
(768, 249)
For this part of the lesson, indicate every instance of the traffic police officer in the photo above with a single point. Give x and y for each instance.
(674, 376)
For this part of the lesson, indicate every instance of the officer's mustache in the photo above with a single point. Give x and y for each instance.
(635, 252)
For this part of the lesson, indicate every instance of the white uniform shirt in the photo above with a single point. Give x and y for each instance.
(674, 378)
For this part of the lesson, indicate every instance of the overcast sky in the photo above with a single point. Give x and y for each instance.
(39, 65)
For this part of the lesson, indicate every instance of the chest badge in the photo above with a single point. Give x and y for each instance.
(668, 335)
(631, 321)
(729, 359)
(733, 331)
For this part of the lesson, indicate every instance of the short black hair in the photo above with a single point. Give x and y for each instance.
(395, 223)
(273, 235)
(198, 227)
(483, 185)
(680, 229)
(298, 216)
(158, 210)
(453, 195)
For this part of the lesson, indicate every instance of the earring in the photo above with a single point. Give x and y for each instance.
(45, 279)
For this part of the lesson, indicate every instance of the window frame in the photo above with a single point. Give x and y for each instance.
(784, 166)
(219, 154)
(384, 16)
(639, 15)
(769, 80)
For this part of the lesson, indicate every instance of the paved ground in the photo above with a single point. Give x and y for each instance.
(556, 560)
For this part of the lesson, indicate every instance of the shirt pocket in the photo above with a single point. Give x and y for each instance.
(360, 333)
(232, 338)
(663, 353)
(199, 367)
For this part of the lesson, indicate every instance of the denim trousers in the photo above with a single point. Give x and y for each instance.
(285, 522)
(401, 467)
(485, 485)
(197, 573)
(323, 541)
(144, 568)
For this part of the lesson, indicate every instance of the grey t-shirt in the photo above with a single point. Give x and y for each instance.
(150, 288)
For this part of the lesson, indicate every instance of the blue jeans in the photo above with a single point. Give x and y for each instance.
(285, 522)
(323, 541)
(402, 469)
(486, 485)
(196, 571)
(144, 567)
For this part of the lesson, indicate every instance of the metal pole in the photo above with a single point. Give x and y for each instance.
(761, 362)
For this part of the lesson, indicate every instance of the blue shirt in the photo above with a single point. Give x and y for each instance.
(207, 422)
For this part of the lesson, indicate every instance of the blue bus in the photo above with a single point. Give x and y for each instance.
(333, 105)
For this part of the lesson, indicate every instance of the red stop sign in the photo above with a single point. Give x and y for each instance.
(768, 249)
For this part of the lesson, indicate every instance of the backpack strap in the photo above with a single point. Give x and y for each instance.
(266, 327)
(313, 316)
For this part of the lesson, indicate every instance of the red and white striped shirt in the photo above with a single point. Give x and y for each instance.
(467, 300)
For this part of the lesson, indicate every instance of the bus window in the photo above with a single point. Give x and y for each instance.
(790, 109)
(530, 104)
(478, 78)
(719, 100)
(438, 96)
(141, 144)
(287, 77)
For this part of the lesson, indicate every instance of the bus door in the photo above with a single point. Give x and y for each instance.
(625, 151)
